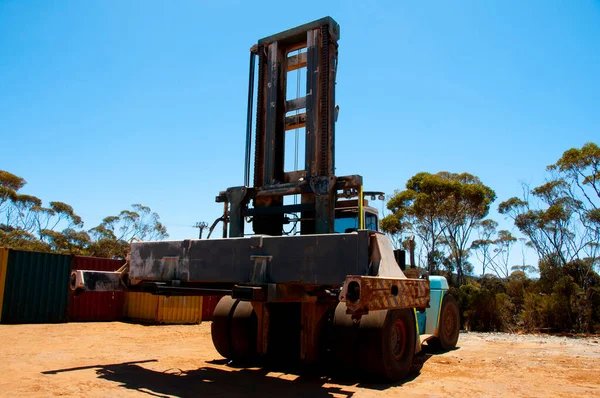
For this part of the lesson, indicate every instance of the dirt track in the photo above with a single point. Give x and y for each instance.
(119, 359)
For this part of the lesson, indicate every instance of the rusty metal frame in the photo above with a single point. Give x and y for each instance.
(317, 182)
(369, 293)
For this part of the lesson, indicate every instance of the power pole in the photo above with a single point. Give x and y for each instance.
(201, 225)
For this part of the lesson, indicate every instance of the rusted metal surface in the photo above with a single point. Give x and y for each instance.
(368, 293)
(296, 61)
(262, 333)
(249, 116)
(312, 259)
(294, 35)
(313, 325)
(294, 104)
(261, 105)
(97, 281)
(320, 59)
(295, 121)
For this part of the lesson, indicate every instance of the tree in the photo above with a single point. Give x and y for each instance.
(483, 247)
(394, 228)
(140, 223)
(442, 210)
(9, 185)
(112, 237)
(561, 218)
(26, 224)
(503, 245)
(417, 209)
(69, 241)
(468, 202)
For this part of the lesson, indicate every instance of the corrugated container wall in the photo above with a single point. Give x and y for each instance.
(37, 287)
(3, 264)
(208, 306)
(180, 309)
(141, 307)
(147, 308)
(96, 306)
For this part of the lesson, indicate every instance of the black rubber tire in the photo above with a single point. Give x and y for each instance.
(449, 326)
(220, 328)
(244, 328)
(344, 339)
(387, 343)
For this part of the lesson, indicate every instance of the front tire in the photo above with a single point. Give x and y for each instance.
(449, 326)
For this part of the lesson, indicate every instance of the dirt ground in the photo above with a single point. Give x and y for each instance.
(120, 359)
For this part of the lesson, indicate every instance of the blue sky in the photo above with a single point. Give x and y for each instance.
(105, 104)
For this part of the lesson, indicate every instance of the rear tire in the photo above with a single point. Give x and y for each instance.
(221, 326)
(449, 326)
(387, 343)
(344, 339)
(244, 327)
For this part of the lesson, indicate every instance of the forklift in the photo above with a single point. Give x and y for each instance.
(331, 288)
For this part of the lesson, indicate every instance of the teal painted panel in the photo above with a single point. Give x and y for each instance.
(421, 321)
(438, 286)
(433, 312)
(438, 282)
(37, 287)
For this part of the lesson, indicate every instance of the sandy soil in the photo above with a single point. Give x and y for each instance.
(120, 359)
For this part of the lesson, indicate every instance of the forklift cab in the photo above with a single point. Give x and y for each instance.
(347, 220)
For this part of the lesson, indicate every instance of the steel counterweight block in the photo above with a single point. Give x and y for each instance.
(371, 293)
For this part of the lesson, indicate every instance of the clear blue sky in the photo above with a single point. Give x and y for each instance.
(104, 104)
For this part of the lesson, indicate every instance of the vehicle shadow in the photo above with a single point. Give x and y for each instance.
(207, 381)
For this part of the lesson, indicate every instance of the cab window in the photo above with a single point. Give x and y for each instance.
(345, 221)
(370, 221)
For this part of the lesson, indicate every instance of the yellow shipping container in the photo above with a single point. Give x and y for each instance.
(180, 309)
(142, 307)
(3, 267)
(147, 308)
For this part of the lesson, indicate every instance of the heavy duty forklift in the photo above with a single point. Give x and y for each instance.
(332, 290)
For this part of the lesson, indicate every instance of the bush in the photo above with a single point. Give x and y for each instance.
(556, 302)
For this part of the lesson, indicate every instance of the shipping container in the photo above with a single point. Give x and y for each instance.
(96, 306)
(147, 308)
(208, 306)
(3, 265)
(141, 307)
(180, 309)
(36, 288)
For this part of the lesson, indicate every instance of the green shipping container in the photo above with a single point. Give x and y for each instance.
(36, 288)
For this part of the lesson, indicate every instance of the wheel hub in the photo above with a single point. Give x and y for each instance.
(448, 322)
(398, 338)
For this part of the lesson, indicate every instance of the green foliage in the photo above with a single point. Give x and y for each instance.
(442, 210)
(27, 225)
(561, 218)
(479, 307)
(555, 302)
